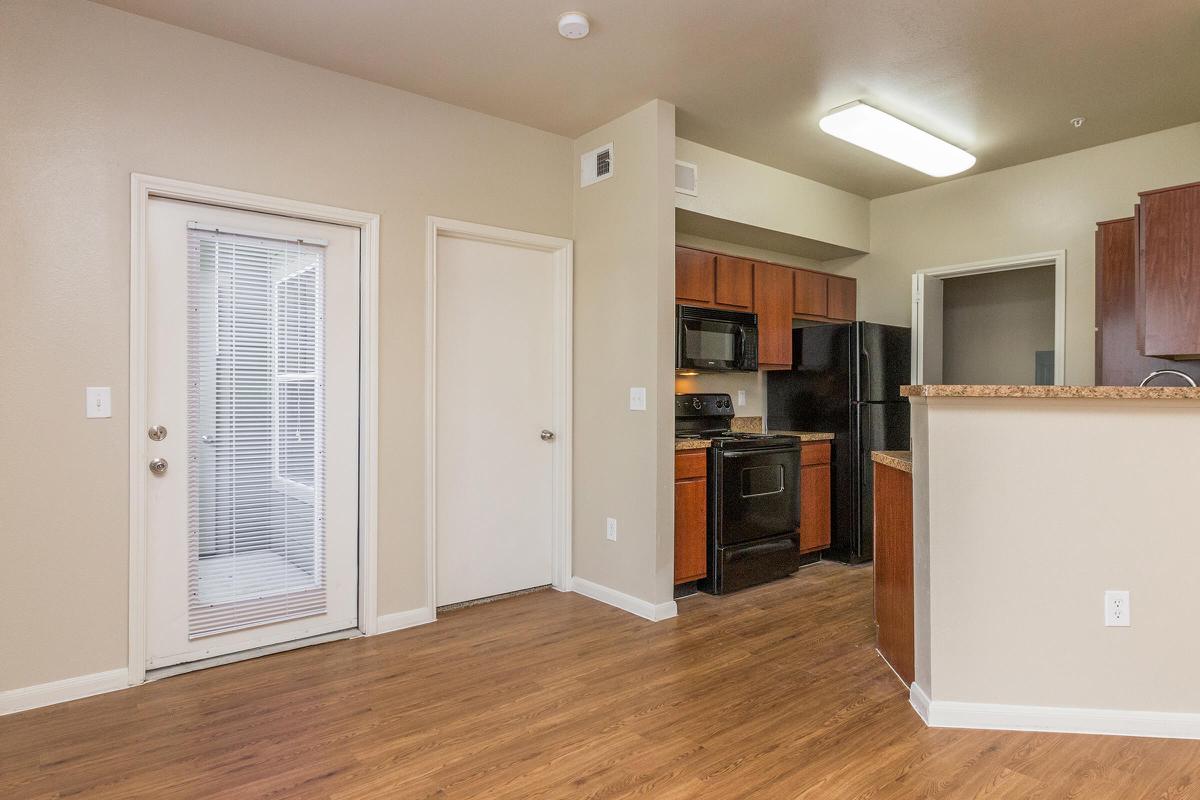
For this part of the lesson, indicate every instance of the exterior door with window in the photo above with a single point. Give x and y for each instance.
(253, 405)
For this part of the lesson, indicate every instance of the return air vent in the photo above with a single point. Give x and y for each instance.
(596, 165)
(685, 178)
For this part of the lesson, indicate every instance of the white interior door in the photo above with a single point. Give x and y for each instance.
(495, 397)
(253, 377)
(927, 329)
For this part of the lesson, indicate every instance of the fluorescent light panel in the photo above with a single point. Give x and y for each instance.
(872, 129)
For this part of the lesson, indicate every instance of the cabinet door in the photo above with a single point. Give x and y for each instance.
(773, 304)
(843, 298)
(735, 283)
(811, 293)
(816, 483)
(695, 276)
(691, 529)
(1170, 271)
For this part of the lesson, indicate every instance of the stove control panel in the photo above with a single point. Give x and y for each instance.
(703, 405)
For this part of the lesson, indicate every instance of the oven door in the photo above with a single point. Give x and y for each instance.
(710, 345)
(757, 494)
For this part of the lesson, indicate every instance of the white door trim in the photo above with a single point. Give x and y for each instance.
(142, 189)
(563, 252)
(1050, 258)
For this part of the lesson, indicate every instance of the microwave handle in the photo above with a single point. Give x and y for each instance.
(741, 348)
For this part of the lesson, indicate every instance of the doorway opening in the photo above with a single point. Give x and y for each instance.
(991, 322)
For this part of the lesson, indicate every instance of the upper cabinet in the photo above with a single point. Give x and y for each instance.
(1168, 272)
(773, 295)
(811, 293)
(695, 276)
(735, 283)
(778, 294)
(843, 298)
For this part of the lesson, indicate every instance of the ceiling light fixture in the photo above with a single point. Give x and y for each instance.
(573, 25)
(872, 129)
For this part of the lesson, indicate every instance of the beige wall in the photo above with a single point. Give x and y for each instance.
(744, 191)
(90, 95)
(624, 295)
(994, 323)
(1026, 512)
(1051, 204)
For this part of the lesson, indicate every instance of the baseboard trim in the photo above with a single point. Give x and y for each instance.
(1052, 719)
(405, 619)
(13, 701)
(625, 602)
(919, 701)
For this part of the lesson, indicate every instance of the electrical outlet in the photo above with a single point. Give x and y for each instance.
(1116, 608)
(610, 529)
(637, 398)
(741, 400)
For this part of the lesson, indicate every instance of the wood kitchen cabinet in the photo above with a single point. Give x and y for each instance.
(734, 283)
(691, 515)
(777, 293)
(810, 293)
(1118, 360)
(816, 485)
(893, 570)
(1168, 272)
(773, 304)
(843, 298)
(695, 276)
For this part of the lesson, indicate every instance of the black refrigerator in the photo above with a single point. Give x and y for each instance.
(845, 379)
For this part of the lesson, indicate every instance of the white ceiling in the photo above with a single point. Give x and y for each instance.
(1001, 78)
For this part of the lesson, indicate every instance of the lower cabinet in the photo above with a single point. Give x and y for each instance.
(816, 479)
(691, 515)
(893, 570)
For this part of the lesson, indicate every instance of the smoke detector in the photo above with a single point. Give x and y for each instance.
(1077, 122)
(573, 25)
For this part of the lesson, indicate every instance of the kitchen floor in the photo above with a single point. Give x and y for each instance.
(773, 692)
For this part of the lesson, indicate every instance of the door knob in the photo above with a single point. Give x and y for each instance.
(158, 466)
(547, 436)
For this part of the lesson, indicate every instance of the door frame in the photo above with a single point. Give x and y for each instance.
(563, 252)
(1050, 258)
(142, 189)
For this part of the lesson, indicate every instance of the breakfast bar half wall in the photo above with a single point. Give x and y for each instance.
(1029, 503)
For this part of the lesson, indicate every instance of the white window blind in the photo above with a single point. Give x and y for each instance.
(256, 371)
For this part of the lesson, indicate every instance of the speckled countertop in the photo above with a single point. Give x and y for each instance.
(752, 425)
(1064, 392)
(898, 459)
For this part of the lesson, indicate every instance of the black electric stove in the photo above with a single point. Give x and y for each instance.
(753, 496)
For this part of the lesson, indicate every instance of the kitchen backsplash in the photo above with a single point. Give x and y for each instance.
(728, 383)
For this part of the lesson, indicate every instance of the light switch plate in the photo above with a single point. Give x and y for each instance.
(741, 400)
(98, 402)
(637, 398)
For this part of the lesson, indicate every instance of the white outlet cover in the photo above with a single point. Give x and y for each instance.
(1116, 608)
(741, 397)
(637, 398)
(610, 529)
(98, 402)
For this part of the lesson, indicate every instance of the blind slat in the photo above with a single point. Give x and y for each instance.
(256, 431)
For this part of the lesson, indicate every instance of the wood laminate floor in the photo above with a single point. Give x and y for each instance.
(775, 692)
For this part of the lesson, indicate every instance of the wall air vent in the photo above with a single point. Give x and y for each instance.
(685, 178)
(596, 165)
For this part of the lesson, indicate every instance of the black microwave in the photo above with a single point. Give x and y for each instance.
(714, 340)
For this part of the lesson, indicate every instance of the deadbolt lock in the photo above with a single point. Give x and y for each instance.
(157, 433)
